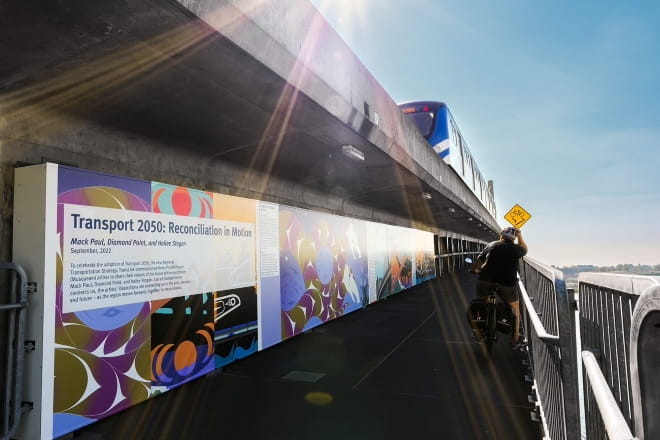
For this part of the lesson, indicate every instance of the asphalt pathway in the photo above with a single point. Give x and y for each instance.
(402, 368)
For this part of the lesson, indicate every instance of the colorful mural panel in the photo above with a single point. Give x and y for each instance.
(323, 268)
(101, 355)
(235, 314)
(424, 257)
(181, 340)
(379, 261)
(401, 258)
(268, 293)
(235, 266)
(391, 247)
(182, 327)
(236, 334)
(170, 199)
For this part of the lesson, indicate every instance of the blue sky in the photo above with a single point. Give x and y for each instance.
(559, 102)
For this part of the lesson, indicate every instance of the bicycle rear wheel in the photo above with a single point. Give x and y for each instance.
(491, 328)
(489, 348)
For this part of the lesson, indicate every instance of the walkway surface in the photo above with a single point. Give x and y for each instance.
(402, 368)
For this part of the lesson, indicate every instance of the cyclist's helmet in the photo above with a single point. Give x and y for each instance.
(509, 233)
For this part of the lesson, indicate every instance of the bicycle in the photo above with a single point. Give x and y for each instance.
(488, 317)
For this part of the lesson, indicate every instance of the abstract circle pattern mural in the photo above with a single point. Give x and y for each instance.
(182, 340)
(170, 199)
(323, 268)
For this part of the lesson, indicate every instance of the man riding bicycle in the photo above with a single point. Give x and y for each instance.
(497, 266)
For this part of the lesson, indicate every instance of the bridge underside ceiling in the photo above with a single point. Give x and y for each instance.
(151, 69)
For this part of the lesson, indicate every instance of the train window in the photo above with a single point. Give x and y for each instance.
(454, 134)
(423, 121)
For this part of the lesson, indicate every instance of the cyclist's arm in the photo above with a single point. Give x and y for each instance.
(477, 265)
(483, 256)
(521, 241)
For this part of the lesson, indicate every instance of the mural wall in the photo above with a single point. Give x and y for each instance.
(157, 285)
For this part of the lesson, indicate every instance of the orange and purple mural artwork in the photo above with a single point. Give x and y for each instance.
(181, 340)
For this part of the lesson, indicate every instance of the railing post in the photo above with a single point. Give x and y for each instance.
(556, 364)
(568, 344)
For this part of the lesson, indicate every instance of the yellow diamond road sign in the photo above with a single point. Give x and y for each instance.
(517, 216)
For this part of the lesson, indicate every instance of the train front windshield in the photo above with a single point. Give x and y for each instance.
(422, 117)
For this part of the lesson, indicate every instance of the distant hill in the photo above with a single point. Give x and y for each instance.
(571, 273)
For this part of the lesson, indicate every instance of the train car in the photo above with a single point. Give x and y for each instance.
(437, 125)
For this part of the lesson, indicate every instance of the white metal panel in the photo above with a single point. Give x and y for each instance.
(35, 248)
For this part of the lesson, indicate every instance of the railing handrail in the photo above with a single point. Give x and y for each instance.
(626, 283)
(549, 272)
(615, 424)
(541, 333)
(554, 360)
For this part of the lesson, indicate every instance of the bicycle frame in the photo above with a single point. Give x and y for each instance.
(491, 322)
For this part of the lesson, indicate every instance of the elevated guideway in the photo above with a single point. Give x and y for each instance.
(257, 97)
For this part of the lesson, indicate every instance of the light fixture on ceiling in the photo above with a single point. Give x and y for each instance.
(426, 195)
(352, 152)
(469, 219)
(451, 209)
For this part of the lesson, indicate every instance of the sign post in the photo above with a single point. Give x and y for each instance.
(517, 216)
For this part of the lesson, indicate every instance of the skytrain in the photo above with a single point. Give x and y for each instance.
(437, 125)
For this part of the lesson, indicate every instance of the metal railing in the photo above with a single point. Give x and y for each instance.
(615, 424)
(13, 314)
(609, 337)
(453, 251)
(547, 314)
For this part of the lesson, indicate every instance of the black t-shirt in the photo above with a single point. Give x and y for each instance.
(502, 262)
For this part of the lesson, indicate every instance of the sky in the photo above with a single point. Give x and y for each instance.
(559, 103)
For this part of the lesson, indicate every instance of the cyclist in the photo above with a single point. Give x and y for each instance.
(497, 266)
